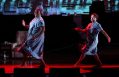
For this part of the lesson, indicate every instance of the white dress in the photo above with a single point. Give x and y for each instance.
(35, 46)
(92, 37)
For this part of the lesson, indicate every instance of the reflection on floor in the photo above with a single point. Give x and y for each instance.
(86, 70)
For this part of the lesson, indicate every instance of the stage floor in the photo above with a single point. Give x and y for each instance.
(109, 69)
(9, 69)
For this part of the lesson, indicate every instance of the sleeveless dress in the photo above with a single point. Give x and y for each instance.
(35, 45)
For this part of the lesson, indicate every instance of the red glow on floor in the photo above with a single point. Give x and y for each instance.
(9, 69)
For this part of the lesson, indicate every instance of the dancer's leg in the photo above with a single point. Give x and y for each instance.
(97, 59)
(80, 59)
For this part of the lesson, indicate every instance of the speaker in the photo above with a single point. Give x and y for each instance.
(64, 72)
(29, 72)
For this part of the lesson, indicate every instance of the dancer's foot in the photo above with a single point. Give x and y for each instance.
(24, 63)
(98, 66)
(76, 64)
(42, 64)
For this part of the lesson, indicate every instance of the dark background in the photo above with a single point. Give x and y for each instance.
(61, 41)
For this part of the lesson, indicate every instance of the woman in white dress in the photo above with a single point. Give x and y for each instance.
(90, 47)
(35, 37)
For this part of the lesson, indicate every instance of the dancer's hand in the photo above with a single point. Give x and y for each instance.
(23, 23)
(77, 28)
(109, 39)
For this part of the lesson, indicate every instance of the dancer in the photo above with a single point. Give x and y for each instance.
(90, 47)
(35, 38)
